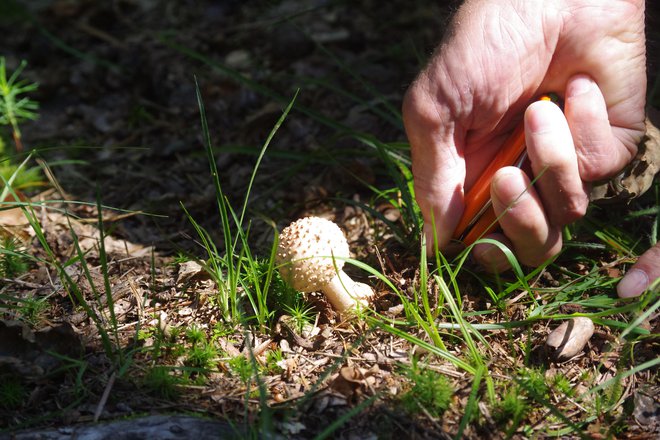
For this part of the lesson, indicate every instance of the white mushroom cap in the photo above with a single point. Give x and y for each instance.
(305, 253)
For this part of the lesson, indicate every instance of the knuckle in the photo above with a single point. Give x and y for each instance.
(491, 258)
(591, 169)
(418, 107)
(573, 209)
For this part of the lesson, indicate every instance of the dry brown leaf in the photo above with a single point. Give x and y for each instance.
(14, 224)
(190, 271)
(352, 381)
(637, 177)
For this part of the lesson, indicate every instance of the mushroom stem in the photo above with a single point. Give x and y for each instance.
(344, 293)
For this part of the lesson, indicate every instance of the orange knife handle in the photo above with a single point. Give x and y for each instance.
(486, 224)
(479, 195)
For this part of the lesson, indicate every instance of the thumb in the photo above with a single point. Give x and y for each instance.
(641, 275)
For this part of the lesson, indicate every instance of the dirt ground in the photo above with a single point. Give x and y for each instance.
(119, 119)
(130, 98)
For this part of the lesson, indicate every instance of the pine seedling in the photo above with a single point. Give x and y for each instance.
(273, 362)
(32, 309)
(195, 335)
(534, 382)
(301, 314)
(242, 367)
(202, 352)
(12, 392)
(563, 385)
(512, 408)
(160, 380)
(12, 261)
(201, 356)
(15, 108)
(431, 391)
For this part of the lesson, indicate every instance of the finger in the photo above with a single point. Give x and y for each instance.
(490, 256)
(600, 153)
(641, 275)
(522, 217)
(554, 163)
(438, 169)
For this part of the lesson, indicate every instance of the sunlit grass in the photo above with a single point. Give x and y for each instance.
(240, 276)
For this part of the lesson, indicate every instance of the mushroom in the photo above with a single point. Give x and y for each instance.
(311, 254)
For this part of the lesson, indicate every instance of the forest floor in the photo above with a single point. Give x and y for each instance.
(138, 325)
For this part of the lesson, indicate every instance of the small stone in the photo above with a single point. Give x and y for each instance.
(185, 311)
(177, 429)
(647, 409)
(567, 340)
(238, 59)
(122, 407)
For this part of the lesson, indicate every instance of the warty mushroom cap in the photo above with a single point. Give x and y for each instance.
(305, 253)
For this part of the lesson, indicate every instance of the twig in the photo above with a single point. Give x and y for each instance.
(23, 283)
(101, 35)
(104, 397)
(111, 218)
(259, 349)
(52, 179)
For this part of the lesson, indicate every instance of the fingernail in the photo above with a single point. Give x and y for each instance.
(634, 283)
(579, 85)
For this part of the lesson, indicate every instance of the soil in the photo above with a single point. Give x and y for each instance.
(120, 124)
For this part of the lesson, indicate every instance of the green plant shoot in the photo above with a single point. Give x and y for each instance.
(15, 109)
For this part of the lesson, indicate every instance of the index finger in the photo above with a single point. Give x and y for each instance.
(438, 168)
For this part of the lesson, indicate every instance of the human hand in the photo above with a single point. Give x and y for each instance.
(641, 275)
(495, 58)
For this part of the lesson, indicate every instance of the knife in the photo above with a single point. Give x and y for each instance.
(479, 218)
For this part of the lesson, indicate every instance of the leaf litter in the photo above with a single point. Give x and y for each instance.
(139, 133)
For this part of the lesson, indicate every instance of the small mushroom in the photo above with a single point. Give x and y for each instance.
(311, 255)
(570, 337)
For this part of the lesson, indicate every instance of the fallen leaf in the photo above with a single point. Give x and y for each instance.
(190, 271)
(14, 224)
(352, 381)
